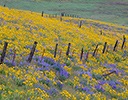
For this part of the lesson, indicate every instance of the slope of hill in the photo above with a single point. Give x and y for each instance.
(113, 11)
(61, 78)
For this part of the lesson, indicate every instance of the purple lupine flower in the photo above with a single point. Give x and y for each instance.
(96, 23)
(76, 87)
(102, 89)
(84, 89)
(110, 84)
(117, 72)
(57, 73)
(47, 69)
(97, 86)
(60, 73)
(60, 85)
(114, 86)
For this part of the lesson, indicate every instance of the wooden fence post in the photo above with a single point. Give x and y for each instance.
(14, 55)
(80, 24)
(62, 14)
(73, 52)
(42, 54)
(123, 42)
(115, 45)
(32, 52)
(42, 13)
(55, 50)
(101, 32)
(95, 50)
(60, 53)
(4, 52)
(81, 55)
(104, 47)
(60, 18)
(67, 53)
(109, 73)
(87, 55)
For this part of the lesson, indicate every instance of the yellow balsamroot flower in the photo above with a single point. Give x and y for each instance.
(114, 99)
(66, 94)
(31, 84)
(9, 92)
(74, 98)
(0, 87)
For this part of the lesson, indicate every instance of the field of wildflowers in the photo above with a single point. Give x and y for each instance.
(111, 11)
(66, 78)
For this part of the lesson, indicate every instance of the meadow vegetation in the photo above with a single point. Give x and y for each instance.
(112, 11)
(66, 78)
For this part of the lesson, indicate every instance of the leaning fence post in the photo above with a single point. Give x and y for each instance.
(60, 53)
(55, 50)
(95, 50)
(42, 54)
(4, 52)
(73, 52)
(42, 13)
(107, 49)
(62, 14)
(67, 53)
(14, 55)
(60, 18)
(80, 24)
(32, 52)
(104, 47)
(115, 45)
(81, 54)
(87, 55)
(109, 73)
(123, 42)
(101, 32)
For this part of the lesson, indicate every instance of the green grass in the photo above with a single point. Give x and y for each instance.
(112, 11)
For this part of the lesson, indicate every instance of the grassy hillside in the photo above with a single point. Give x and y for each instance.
(113, 11)
(61, 78)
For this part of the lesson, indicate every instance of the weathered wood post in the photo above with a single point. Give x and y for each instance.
(55, 50)
(32, 52)
(101, 32)
(4, 52)
(80, 24)
(81, 55)
(14, 55)
(115, 45)
(73, 52)
(42, 54)
(60, 18)
(104, 47)
(95, 50)
(60, 53)
(123, 42)
(62, 14)
(42, 13)
(109, 73)
(67, 53)
(87, 55)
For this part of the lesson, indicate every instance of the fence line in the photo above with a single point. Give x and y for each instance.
(105, 49)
